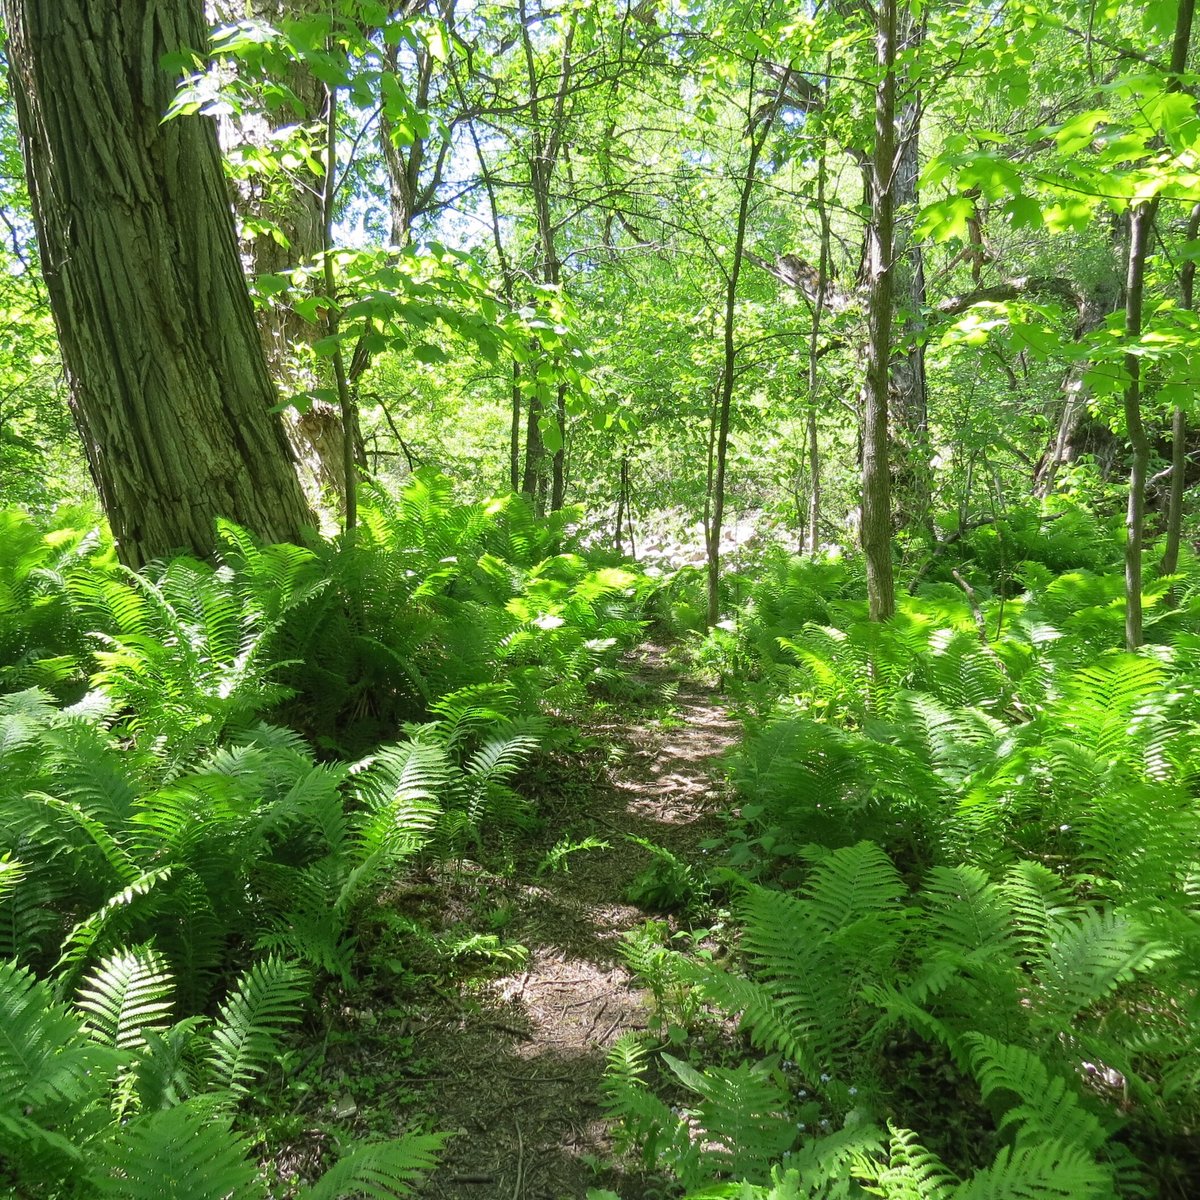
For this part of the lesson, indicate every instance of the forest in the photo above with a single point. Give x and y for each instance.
(599, 599)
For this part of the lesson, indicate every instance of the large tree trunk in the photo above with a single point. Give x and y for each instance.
(876, 482)
(293, 202)
(168, 381)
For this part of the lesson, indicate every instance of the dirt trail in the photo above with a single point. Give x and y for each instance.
(521, 1074)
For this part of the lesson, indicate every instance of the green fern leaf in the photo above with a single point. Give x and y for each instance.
(45, 1057)
(181, 1153)
(245, 1039)
(1088, 958)
(1048, 1171)
(853, 884)
(379, 1170)
(126, 996)
(1050, 1109)
(912, 1171)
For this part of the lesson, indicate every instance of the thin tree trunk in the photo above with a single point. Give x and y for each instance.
(347, 408)
(542, 163)
(622, 491)
(1141, 226)
(514, 437)
(759, 127)
(1141, 222)
(909, 388)
(876, 483)
(508, 288)
(169, 384)
(534, 451)
(1187, 288)
(814, 375)
(558, 466)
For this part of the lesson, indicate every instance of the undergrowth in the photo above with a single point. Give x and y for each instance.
(967, 898)
(210, 773)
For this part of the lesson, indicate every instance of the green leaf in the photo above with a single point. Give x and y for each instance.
(427, 352)
(1023, 212)
(1073, 213)
(945, 219)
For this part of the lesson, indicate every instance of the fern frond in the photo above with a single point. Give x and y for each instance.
(1047, 1171)
(181, 1153)
(791, 1027)
(126, 996)
(912, 1171)
(853, 884)
(379, 1170)
(1050, 1109)
(83, 937)
(743, 1116)
(1038, 900)
(504, 752)
(246, 1036)
(662, 1134)
(1087, 958)
(46, 1059)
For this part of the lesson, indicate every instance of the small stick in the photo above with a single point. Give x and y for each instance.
(520, 1163)
(604, 1036)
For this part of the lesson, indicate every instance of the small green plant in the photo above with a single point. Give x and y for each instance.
(109, 1098)
(668, 884)
(557, 858)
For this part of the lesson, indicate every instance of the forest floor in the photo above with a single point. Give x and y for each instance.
(511, 1064)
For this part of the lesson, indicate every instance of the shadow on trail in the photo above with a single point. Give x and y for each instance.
(516, 1066)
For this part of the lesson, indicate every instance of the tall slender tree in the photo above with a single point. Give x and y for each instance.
(1141, 225)
(876, 478)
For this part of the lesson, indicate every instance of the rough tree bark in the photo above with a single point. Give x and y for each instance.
(876, 482)
(168, 381)
(295, 205)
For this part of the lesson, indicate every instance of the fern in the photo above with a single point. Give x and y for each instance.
(1086, 959)
(184, 1152)
(126, 997)
(1049, 1110)
(742, 1117)
(1048, 1171)
(245, 1039)
(913, 1172)
(379, 1170)
(662, 1134)
(45, 1058)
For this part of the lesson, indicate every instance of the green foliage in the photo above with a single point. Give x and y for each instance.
(83, 1112)
(42, 638)
(191, 874)
(985, 970)
(435, 596)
